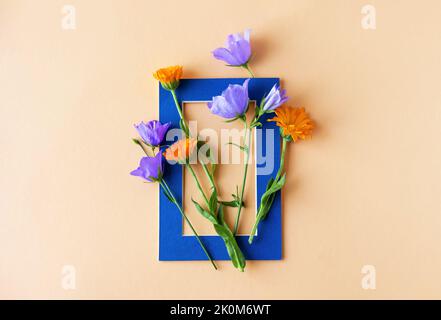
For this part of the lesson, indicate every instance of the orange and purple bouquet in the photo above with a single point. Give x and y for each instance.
(232, 105)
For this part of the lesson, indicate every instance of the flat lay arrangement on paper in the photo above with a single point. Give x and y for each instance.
(357, 215)
(170, 146)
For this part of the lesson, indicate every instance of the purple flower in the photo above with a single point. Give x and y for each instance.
(232, 103)
(152, 132)
(274, 99)
(237, 51)
(150, 168)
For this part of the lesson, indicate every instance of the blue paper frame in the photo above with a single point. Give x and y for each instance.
(173, 245)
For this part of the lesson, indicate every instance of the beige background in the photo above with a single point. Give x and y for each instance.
(365, 190)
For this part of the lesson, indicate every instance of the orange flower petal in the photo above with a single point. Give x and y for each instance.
(181, 150)
(294, 122)
(169, 77)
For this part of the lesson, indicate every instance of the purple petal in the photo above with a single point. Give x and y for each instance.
(157, 132)
(137, 172)
(241, 50)
(237, 36)
(283, 94)
(245, 84)
(273, 90)
(237, 97)
(232, 103)
(153, 132)
(274, 99)
(219, 106)
(141, 128)
(231, 39)
(246, 35)
(150, 168)
(226, 56)
(237, 49)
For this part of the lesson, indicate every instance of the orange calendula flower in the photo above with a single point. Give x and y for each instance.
(181, 150)
(294, 123)
(169, 77)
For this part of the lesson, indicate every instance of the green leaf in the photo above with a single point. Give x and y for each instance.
(200, 143)
(244, 149)
(220, 216)
(269, 184)
(213, 202)
(236, 255)
(267, 206)
(204, 212)
(209, 155)
(235, 203)
(267, 200)
(209, 152)
(232, 204)
(136, 141)
(268, 197)
(277, 185)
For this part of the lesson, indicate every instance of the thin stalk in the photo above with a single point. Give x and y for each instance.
(198, 184)
(166, 188)
(247, 67)
(209, 176)
(244, 179)
(178, 107)
(233, 249)
(282, 159)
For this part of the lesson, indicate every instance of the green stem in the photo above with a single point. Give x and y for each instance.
(247, 67)
(166, 188)
(282, 159)
(253, 231)
(178, 107)
(181, 115)
(279, 173)
(209, 176)
(222, 229)
(244, 179)
(198, 184)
